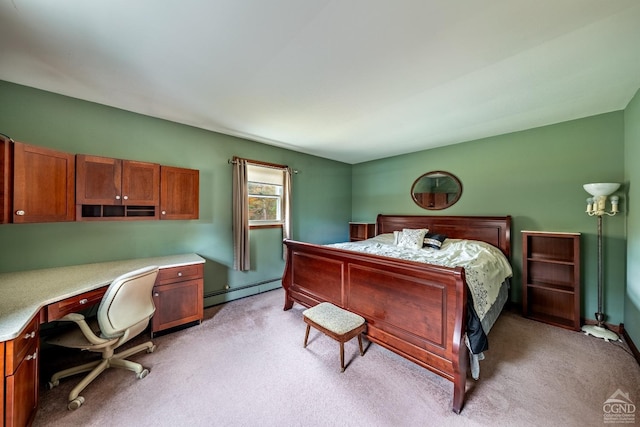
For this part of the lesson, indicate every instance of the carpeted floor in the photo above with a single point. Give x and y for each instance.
(245, 366)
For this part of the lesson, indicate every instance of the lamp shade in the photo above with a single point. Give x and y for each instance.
(601, 188)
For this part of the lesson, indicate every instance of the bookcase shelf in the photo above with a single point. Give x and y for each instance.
(551, 278)
(361, 230)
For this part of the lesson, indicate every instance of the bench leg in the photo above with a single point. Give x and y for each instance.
(306, 336)
(341, 356)
(360, 343)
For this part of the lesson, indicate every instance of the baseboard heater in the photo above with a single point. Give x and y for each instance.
(239, 288)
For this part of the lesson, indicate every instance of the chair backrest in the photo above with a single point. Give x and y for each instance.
(128, 302)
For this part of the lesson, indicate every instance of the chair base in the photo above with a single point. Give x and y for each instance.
(95, 368)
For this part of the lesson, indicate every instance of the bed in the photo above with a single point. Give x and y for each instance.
(417, 310)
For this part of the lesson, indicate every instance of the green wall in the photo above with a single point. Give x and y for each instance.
(632, 175)
(321, 192)
(536, 176)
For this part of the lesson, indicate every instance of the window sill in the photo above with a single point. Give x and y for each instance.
(255, 226)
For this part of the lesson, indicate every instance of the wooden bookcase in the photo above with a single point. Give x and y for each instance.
(361, 231)
(551, 278)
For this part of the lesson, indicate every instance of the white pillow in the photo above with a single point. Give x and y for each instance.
(412, 238)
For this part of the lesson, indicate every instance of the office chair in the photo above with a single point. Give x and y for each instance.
(124, 313)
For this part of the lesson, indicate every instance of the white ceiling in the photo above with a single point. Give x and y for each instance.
(350, 80)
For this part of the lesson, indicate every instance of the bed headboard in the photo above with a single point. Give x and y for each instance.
(495, 230)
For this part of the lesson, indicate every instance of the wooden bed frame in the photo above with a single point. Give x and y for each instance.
(413, 309)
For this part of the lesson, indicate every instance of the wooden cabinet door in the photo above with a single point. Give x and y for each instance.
(2, 382)
(107, 181)
(43, 184)
(21, 370)
(177, 304)
(140, 183)
(98, 180)
(6, 179)
(22, 392)
(179, 193)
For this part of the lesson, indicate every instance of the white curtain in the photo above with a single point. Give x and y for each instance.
(241, 252)
(286, 226)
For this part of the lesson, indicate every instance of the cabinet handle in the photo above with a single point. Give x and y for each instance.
(83, 301)
(164, 212)
(155, 294)
(30, 335)
(126, 197)
(32, 356)
(117, 197)
(20, 212)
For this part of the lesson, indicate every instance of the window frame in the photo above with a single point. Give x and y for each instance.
(256, 224)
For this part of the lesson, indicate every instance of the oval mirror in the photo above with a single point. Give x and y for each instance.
(436, 190)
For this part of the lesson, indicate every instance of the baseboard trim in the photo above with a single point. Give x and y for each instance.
(630, 343)
(239, 288)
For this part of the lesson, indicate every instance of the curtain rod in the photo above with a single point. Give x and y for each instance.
(263, 164)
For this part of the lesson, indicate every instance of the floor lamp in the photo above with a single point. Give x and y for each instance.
(596, 206)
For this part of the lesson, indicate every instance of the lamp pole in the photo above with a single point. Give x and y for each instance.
(596, 207)
(599, 313)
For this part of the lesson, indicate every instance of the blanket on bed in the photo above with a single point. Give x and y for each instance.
(486, 267)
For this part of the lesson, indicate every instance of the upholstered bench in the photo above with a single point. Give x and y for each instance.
(335, 322)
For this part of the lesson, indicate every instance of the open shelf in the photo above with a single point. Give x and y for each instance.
(106, 212)
(361, 230)
(551, 278)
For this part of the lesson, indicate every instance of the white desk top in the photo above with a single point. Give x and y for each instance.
(24, 293)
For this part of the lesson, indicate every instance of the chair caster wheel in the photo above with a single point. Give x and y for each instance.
(151, 349)
(52, 384)
(75, 403)
(142, 374)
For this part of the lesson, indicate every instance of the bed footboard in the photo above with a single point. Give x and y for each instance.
(415, 310)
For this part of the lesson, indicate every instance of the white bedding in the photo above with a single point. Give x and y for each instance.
(486, 267)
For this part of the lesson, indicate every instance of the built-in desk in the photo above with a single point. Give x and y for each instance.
(29, 298)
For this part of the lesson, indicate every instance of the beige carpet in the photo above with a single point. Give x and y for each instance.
(245, 366)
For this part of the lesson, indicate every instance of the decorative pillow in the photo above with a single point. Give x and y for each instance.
(412, 238)
(434, 240)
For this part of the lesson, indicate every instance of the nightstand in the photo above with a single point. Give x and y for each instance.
(361, 230)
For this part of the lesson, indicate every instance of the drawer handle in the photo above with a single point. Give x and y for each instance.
(30, 335)
(156, 294)
(20, 212)
(32, 356)
(83, 301)
(180, 274)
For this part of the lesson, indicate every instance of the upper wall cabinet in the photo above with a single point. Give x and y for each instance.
(179, 193)
(109, 188)
(43, 184)
(6, 179)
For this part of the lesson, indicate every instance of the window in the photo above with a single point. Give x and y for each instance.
(265, 199)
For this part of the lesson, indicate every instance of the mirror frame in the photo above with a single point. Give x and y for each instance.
(437, 208)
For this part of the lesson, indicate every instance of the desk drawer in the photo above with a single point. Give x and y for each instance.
(26, 343)
(175, 274)
(75, 304)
